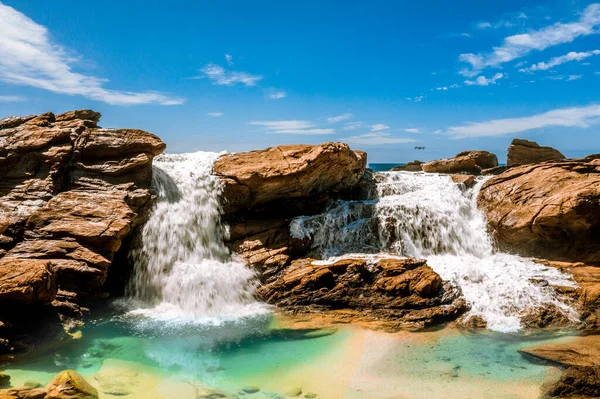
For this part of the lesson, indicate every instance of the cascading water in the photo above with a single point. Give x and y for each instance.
(429, 216)
(183, 270)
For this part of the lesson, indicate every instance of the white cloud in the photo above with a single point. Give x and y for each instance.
(378, 127)
(417, 99)
(353, 125)
(28, 57)
(375, 138)
(214, 114)
(566, 117)
(412, 130)
(484, 25)
(276, 94)
(219, 76)
(291, 127)
(483, 81)
(517, 46)
(340, 118)
(229, 59)
(12, 99)
(573, 77)
(552, 62)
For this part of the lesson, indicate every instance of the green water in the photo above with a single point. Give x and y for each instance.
(130, 358)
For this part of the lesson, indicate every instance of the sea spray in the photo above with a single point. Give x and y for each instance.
(429, 216)
(183, 270)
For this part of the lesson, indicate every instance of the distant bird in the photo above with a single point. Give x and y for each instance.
(419, 148)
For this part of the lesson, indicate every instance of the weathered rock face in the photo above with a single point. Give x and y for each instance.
(550, 210)
(414, 166)
(521, 152)
(70, 193)
(287, 176)
(66, 385)
(263, 190)
(406, 291)
(472, 162)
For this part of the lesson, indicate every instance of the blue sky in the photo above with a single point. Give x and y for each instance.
(384, 76)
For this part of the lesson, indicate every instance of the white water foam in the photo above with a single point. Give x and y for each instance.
(429, 216)
(183, 270)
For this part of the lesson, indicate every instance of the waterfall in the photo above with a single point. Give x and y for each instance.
(182, 269)
(429, 216)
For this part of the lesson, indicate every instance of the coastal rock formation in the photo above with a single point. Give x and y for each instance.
(287, 178)
(472, 162)
(403, 290)
(414, 166)
(70, 193)
(551, 210)
(263, 190)
(521, 152)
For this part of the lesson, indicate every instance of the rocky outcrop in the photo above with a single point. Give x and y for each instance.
(263, 190)
(404, 291)
(550, 210)
(521, 152)
(472, 162)
(287, 178)
(414, 166)
(580, 358)
(70, 193)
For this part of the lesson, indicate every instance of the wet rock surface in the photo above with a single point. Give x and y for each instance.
(70, 193)
(406, 291)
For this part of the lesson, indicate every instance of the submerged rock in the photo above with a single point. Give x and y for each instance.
(521, 152)
(405, 290)
(472, 162)
(4, 380)
(70, 385)
(550, 210)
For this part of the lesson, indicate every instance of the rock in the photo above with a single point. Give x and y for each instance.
(494, 171)
(578, 382)
(467, 180)
(464, 162)
(24, 392)
(293, 177)
(521, 152)
(117, 377)
(70, 194)
(414, 166)
(402, 289)
(579, 352)
(70, 385)
(26, 281)
(550, 210)
(293, 392)
(251, 389)
(4, 380)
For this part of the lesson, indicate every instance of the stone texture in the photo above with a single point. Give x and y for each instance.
(472, 162)
(26, 281)
(286, 175)
(414, 166)
(521, 152)
(466, 180)
(550, 210)
(404, 290)
(70, 385)
(70, 193)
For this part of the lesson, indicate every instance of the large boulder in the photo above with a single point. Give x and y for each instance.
(521, 152)
(551, 210)
(287, 177)
(70, 385)
(71, 193)
(472, 162)
(403, 290)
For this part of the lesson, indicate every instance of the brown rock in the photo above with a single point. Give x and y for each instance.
(578, 382)
(550, 210)
(414, 166)
(579, 352)
(405, 290)
(521, 152)
(467, 180)
(287, 173)
(70, 385)
(26, 281)
(464, 162)
(24, 392)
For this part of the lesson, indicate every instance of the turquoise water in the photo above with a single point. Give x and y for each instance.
(383, 167)
(140, 359)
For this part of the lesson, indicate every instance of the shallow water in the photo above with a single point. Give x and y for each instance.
(133, 358)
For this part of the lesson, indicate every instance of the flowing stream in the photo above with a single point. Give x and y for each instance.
(429, 216)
